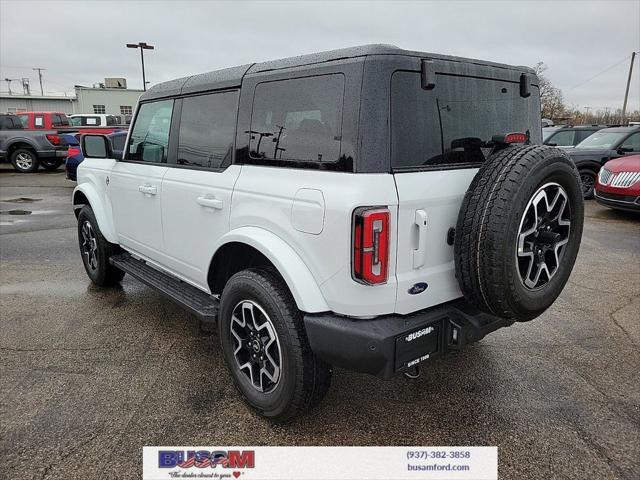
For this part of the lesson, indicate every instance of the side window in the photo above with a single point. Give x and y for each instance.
(298, 119)
(150, 135)
(88, 121)
(24, 119)
(207, 130)
(633, 142)
(56, 120)
(111, 120)
(563, 139)
(76, 121)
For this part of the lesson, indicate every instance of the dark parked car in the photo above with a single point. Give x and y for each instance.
(602, 146)
(570, 136)
(75, 155)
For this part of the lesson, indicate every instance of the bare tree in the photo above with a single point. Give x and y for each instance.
(551, 101)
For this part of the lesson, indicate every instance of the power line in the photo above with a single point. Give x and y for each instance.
(599, 73)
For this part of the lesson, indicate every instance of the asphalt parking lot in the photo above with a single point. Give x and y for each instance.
(89, 376)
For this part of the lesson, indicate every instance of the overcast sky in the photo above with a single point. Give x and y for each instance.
(83, 42)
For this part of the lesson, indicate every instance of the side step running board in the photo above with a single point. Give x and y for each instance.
(201, 304)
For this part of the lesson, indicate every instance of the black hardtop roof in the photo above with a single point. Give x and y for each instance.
(232, 77)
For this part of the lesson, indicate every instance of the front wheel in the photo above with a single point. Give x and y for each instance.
(265, 346)
(588, 182)
(96, 251)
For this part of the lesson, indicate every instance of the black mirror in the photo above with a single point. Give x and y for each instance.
(96, 146)
(551, 144)
(623, 150)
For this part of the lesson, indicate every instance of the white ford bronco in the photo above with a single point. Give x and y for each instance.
(370, 208)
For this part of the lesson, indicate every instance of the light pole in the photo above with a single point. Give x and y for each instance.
(142, 46)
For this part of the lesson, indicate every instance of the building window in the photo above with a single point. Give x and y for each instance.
(99, 109)
(126, 109)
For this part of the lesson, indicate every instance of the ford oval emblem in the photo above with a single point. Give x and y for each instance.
(418, 288)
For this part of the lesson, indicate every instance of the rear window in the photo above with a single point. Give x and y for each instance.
(447, 126)
(298, 119)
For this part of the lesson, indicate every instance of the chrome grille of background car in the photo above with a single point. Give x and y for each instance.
(624, 179)
(604, 176)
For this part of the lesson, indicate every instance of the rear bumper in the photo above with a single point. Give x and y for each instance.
(622, 202)
(393, 344)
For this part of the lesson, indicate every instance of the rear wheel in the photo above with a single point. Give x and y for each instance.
(588, 182)
(24, 160)
(96, 251)
(266, 348)
(51, 163)
(518, 231)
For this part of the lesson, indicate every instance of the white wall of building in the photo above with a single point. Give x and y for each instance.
(87, 100)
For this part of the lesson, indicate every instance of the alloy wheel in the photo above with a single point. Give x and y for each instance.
(89, 245)
(256, 346)
(24, 161)
(543, 235)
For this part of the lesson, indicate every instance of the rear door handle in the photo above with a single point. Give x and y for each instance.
(148, 189)
(420, 253)
(210, 201)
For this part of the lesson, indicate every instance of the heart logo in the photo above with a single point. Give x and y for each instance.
(236, 474)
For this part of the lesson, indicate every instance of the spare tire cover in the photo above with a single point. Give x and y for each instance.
(518, 231)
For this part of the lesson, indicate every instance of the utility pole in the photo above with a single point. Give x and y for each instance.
(626, 92)
(142, 46)
(40, 77)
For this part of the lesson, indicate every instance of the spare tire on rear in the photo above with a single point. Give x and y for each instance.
(518, 231)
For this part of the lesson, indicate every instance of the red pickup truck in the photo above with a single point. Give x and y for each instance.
(62, 123)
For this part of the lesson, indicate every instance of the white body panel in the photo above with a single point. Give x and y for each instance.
(264, 197)
(423, 252)
(135, 191)
(301, 220)
(196, 205)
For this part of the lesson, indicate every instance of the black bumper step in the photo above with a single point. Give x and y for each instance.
(201, 304)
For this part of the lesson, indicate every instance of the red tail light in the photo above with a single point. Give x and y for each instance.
(73, 151)
(53, 139)
(516, 137)
(371, 245)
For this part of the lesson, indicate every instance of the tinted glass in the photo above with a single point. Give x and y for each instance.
(56, 120)
(111, 120)
(601, 139)
(450, 124)
(150, 135)
(633, 142)
(563, 138)
(298, 119)
(24, 119)
(207, 130)
(582, 134)
(76, 121)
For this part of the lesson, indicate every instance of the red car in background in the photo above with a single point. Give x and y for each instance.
(618, 184)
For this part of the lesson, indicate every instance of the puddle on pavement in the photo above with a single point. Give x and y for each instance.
(15, 212)
(22, 200)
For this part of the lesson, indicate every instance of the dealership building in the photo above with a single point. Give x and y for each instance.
(112, 96)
